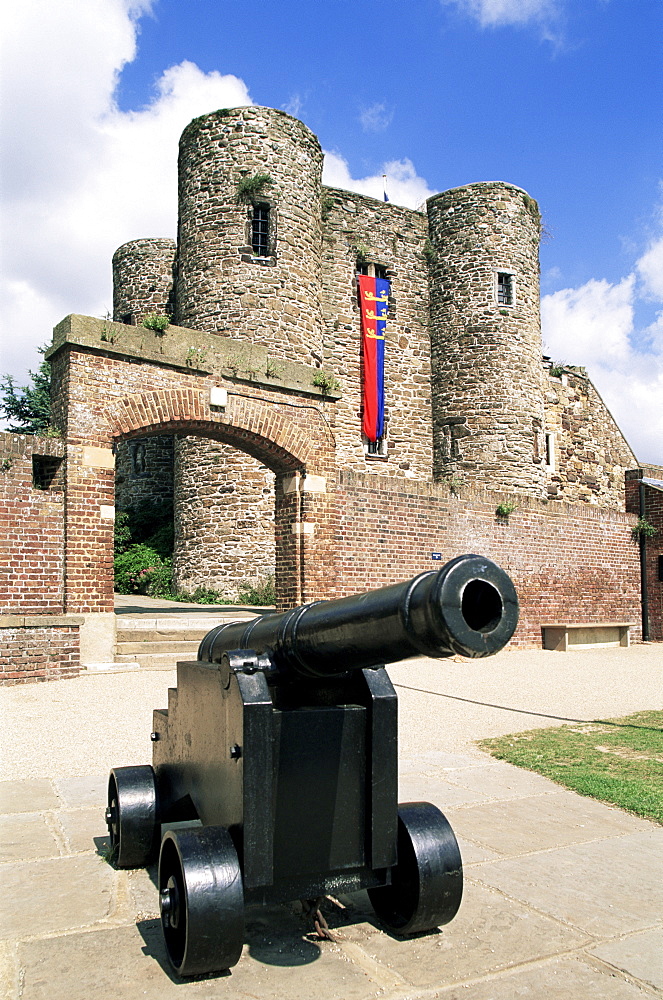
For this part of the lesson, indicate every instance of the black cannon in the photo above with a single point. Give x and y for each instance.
(274, 771)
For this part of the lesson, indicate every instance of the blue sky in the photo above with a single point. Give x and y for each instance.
(562, 97)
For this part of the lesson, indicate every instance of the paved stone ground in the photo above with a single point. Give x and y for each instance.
(563, 896)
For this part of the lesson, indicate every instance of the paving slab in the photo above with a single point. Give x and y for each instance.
(81, 791)
(84, 829)
(29, 795)
(560, 979)
(540, 823)
(131, 962)
(606, 887)
(640, 956)
(26, 836)
(490, 933)
(48, 897)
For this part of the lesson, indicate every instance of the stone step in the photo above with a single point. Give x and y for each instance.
(158, 643)
(178, 647)
(153, 661)
(161, 635)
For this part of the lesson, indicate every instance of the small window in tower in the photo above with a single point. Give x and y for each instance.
(376, 449)
(375, 270)
(505, 288)
(550, 450)
(260, 230)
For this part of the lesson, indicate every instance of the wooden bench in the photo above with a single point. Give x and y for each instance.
(585, 635)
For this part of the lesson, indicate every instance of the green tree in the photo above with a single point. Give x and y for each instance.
(28, 406)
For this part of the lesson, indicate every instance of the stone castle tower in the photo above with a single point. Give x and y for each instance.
(268, 257)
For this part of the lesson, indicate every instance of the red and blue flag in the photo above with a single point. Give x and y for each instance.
(374, 300)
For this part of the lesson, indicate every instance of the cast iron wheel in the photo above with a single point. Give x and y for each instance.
(131, 815)
(427, 883)
(201, 898)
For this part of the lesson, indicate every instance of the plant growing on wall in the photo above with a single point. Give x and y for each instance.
(157, 322)
(325, 382)
(505, 508)
(429, 252)
(250, 187)
(643, 529)
(272, 369)
(361, 252)
(328, 203)
(195, 357)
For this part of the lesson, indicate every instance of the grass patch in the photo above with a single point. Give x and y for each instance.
(615, 760)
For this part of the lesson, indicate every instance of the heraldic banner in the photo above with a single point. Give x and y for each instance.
(373, 299)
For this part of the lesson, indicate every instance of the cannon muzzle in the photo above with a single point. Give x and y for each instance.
(469, 607)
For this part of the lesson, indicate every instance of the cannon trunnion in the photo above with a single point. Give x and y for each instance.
(275, 767)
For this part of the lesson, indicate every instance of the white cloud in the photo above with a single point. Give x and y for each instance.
(404, 186)
(544, 14)
(375, 118)
(594, 321)
(82, 176)
(593, 325)
(650, 269)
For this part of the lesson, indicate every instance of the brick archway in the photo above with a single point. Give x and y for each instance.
(246, 423)
(104, 398)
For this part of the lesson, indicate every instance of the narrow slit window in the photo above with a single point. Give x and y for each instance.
(260, 230)
(504, 288)
(550, 451)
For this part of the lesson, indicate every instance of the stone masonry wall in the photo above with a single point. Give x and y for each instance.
(589, 453)
(144, 472)
(392, 238)
(224, 524)
(487, 379)
(221, 286)
(143, 280)
(573, 563)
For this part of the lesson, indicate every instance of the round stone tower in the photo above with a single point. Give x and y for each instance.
(143, 280)
(250, 230)
(486, 337)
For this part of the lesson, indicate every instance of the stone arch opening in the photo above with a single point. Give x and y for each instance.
(296, 485)
(103, 397)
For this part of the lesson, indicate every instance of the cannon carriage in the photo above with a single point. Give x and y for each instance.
(274, 773)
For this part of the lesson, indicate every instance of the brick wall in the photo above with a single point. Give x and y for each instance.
(571, 563)
(32, 524)
(37, 642)
(38, 652)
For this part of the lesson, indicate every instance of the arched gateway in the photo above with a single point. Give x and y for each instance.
(113, 382)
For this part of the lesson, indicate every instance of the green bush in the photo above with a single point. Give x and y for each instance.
(258, 593)
(157, 322)
(201, 595)
(141, 570)
(122, 532)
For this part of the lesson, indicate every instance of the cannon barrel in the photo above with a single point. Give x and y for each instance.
(469, 607)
